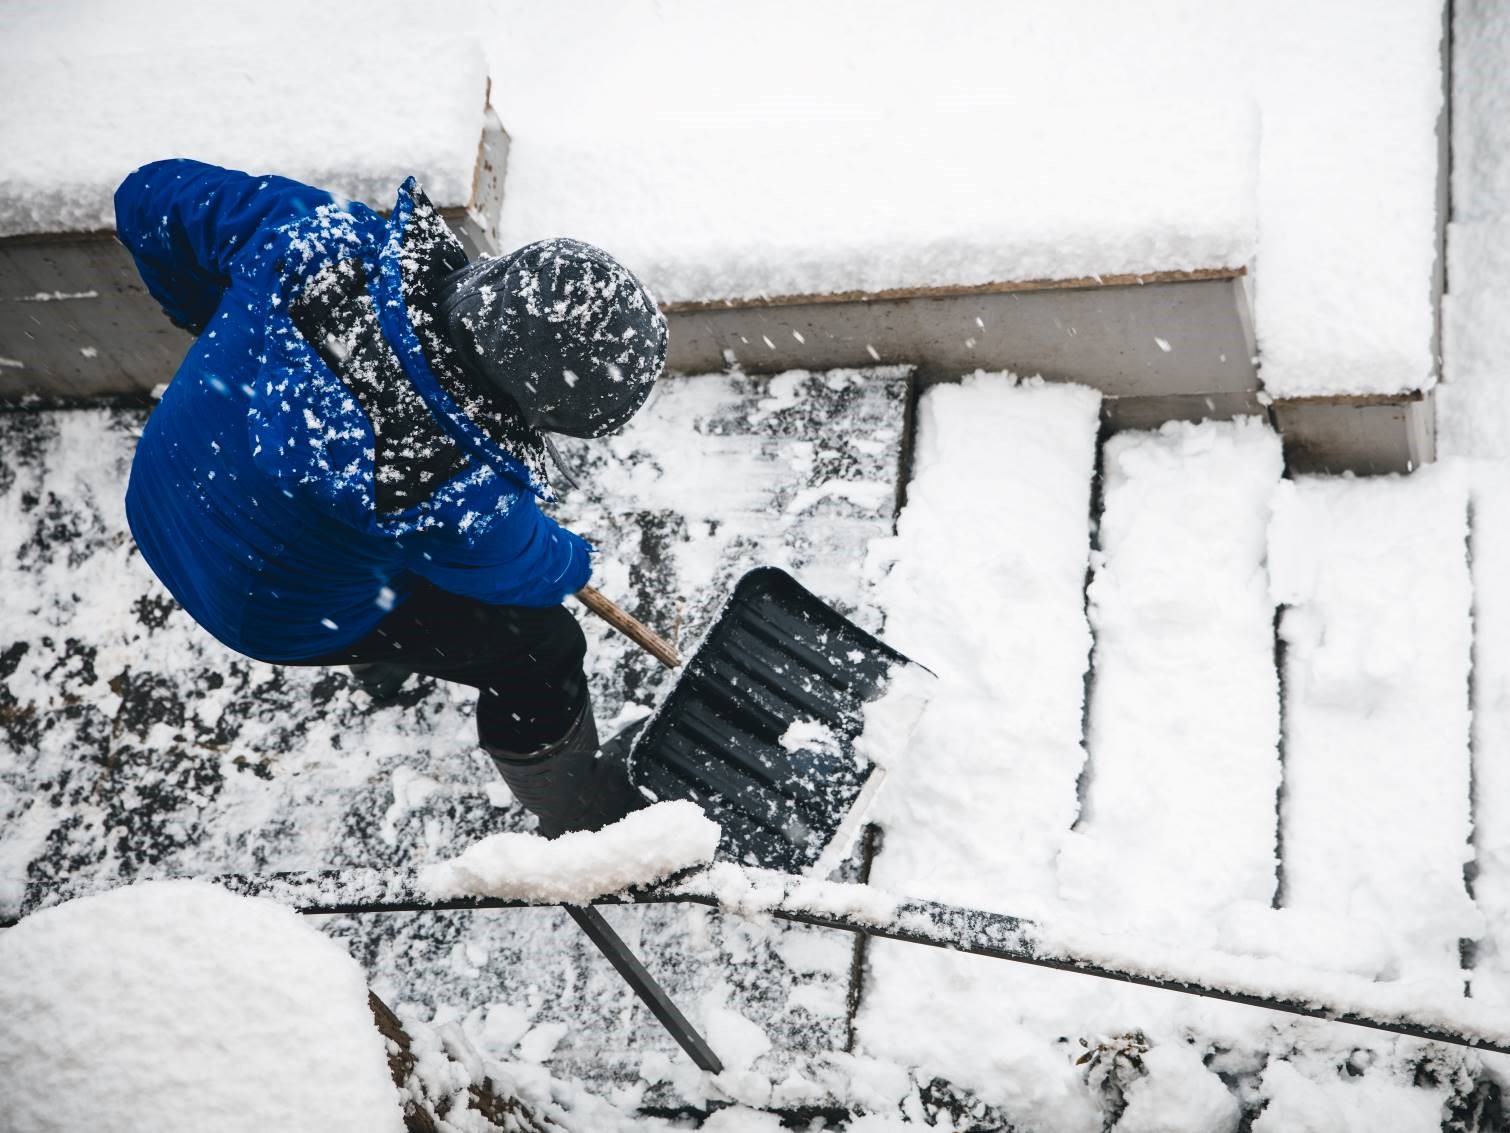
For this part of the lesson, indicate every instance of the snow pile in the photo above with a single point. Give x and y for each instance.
(1375, 808)
(177, 1006)
(1179, 833)
(1184, 711)
(639, 849)
(264, 99)
(751, 892)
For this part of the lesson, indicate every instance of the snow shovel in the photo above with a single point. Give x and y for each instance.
(776, 722)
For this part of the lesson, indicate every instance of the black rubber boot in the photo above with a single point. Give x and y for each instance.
(380, 680)
(570, 784)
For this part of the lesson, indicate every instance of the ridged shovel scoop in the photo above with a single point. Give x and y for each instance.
(780, 725)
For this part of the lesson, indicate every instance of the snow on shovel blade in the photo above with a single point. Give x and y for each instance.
(780, 726)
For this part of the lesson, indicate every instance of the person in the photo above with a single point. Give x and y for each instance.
(345, 468)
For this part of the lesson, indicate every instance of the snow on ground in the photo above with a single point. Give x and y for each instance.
(1351, 92)
(1179, 833)
(1184, 720)
(987, 794)
(227, 89)
(1374, 578)
(1481, 110)
(975, 812)
(177, 1000)
(1049, 140)
(1299, 1103)
(1473, 411)
(143, 748)
(797, 208)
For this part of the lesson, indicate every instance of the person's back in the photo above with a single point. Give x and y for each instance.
(344, 470)
(257, 493)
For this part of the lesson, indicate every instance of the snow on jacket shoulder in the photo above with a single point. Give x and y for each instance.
(254, 492)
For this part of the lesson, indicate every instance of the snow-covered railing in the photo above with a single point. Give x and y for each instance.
(1275, 985)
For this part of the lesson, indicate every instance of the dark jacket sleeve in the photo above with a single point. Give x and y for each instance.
(528, 560)
(185, 222)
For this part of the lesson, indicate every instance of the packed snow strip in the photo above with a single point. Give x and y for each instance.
(349, 137)
(986, 588)
(641, 848)
(176, 1005)
(1474, 420)
(1184, 707)
(1375, 803)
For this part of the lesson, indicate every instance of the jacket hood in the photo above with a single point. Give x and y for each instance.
(310, 430)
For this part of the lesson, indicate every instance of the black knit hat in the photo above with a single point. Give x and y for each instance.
(562, 329)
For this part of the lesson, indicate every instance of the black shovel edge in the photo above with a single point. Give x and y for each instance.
(866, 910)
(775, 656)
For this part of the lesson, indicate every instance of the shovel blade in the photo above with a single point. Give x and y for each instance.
(780, 724)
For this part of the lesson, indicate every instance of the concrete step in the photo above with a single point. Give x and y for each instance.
(1183, 723)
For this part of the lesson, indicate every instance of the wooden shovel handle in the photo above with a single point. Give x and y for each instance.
(637, 632)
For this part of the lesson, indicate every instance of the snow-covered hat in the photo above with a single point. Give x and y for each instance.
(563, 330)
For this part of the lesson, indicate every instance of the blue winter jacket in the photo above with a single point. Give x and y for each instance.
(252, 491)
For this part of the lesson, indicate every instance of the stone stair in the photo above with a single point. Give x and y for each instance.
(136, 745)
(1292, 786)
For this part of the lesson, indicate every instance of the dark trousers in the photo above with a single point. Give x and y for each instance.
(525, 661)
